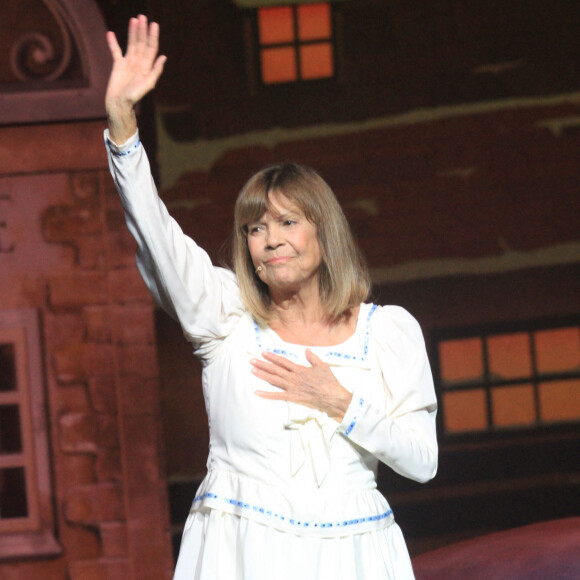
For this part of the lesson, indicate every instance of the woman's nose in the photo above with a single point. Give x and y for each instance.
(273, 237)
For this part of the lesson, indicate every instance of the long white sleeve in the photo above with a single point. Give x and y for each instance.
(404, 438)
(204, 299)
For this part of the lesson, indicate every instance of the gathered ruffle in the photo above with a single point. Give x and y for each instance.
(221, 546)
(318, 515)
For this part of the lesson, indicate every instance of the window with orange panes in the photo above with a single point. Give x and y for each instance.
(296, 43)
(522, 378)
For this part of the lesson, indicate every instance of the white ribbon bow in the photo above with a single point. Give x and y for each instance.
(312, 432)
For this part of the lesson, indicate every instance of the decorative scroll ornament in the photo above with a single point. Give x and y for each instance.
(34, 56)
(41, 47)
(54, 61)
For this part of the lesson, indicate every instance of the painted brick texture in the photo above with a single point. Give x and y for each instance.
(465, 186)
(101, 368)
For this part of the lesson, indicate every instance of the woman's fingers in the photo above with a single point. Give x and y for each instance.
(314, 386)
(142, 38)
(114, 47)
(286, 366)
(280, 361)
(270, 373)
(285, 374)
(132, 36)
(153, 37)
(142, 29)
(281, 396)
(137, 72)
(313, 359)
(157, 69)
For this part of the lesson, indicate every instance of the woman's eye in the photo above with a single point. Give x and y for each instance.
(254, 229)
(289, 222)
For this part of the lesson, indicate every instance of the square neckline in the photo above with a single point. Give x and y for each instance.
(278, 339)
(353, 351)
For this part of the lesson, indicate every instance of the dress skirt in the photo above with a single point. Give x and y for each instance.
(217, 545)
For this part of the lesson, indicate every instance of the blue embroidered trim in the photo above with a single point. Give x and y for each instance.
(337, 354)
(279, 351)
(292, 521)
(133, 147)
(361, 403)
(365, 345)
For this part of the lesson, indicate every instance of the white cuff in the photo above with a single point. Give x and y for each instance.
(352, 415)
(131, 145)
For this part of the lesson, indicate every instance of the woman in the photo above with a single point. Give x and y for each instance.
(306, 386)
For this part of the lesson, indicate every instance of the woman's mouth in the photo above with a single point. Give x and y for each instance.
(278, 260)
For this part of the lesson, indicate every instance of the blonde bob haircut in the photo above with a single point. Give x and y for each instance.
(343, 276)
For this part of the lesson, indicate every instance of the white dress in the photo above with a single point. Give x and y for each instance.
(289, 493)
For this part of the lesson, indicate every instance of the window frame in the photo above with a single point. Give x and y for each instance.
(254, 66)
(483, 331)
(34, 534)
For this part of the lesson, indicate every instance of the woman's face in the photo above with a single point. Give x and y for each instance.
(284, 247)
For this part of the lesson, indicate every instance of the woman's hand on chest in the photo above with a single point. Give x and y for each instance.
(315, 386)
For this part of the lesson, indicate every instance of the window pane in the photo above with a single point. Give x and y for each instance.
(7, 368)
(560, 400)
(509, 356)
(278, 65)
(276, 25)
(314, 21)
(558, 350)
(10, 436)
(513, 406)
(465, 410)
(461, 360)
(13, 502)
(316, 61)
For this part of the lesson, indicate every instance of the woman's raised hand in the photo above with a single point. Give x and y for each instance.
(133, 75)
